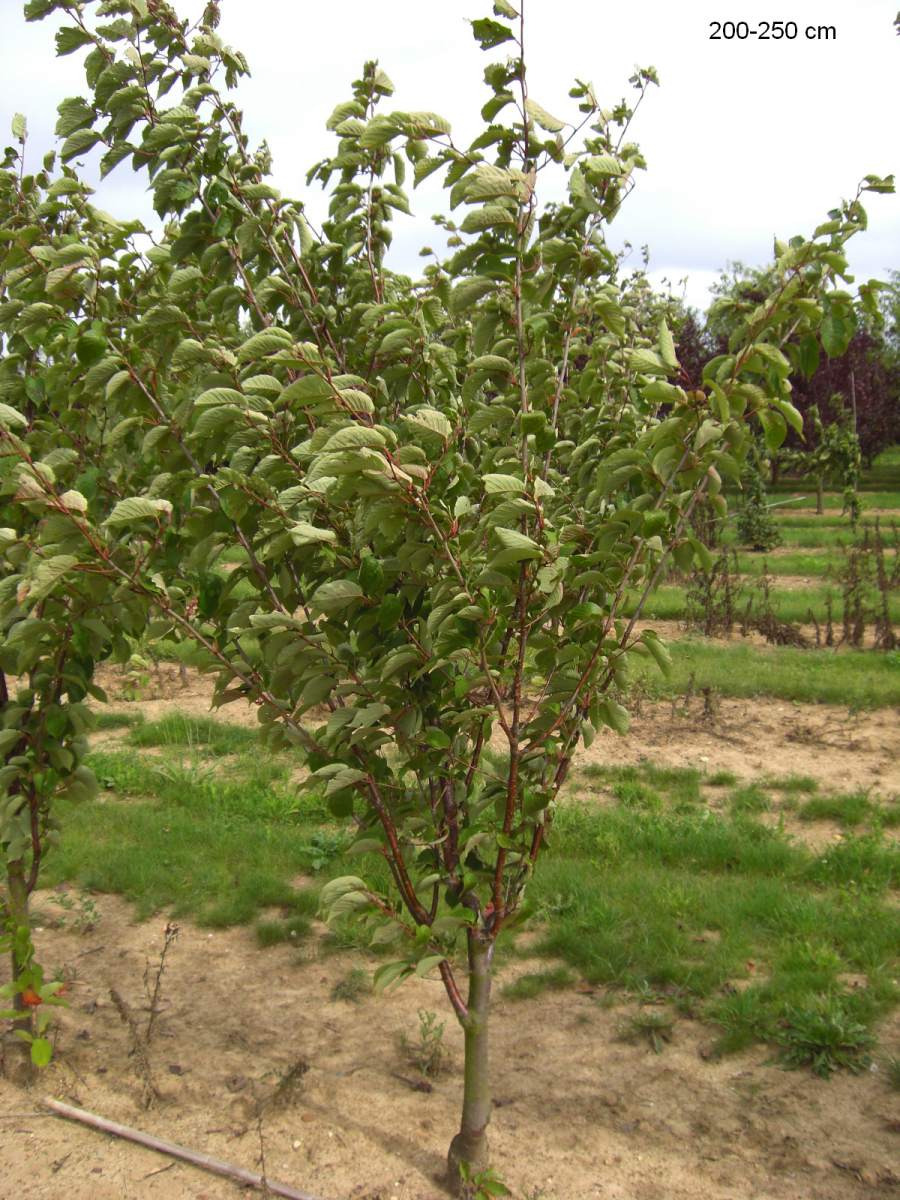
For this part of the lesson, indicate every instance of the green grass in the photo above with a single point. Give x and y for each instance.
(535, 983)
(669, 603)
(219, 848)
(790, 495)
(853, 678)
(202, 733)
(850, 810)
(689, 906)
(641, 786)
(807, 564)
(792, 784)
(104, 720)
(749, 799)
(650, 892)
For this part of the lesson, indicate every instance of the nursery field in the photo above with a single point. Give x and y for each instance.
(704, 992)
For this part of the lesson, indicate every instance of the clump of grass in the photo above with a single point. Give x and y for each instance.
(856, 678)
(637, 795)
(848, 810)
(653, 1026)
(116, 720)
(249, 790)
(866, 862)
(352, 987)
(792, 784)
(826, 1037)
(203, 733)
(425, 1052)
(526, 987)
(749, 799)
(288, 929)
(892, 1072)
(721, 779)
(851, 810)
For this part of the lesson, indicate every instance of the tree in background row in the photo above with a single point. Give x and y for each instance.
(445, 490)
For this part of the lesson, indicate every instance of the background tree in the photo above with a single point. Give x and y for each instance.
(860, 362)
(440, 519)
(64, 278)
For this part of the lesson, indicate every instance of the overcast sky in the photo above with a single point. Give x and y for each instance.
(744, 140)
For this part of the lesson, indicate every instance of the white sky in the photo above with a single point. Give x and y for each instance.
(745, 140)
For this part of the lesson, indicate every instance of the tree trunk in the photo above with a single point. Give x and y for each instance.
(820, 487)
(470, 1146)
(17, 1064)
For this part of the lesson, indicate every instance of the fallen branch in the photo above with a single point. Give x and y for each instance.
(204, 1161)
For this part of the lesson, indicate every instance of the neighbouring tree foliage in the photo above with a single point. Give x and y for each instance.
(445, 490)
(756, 528)
(861, 362)
(833, 455)
(58, 616)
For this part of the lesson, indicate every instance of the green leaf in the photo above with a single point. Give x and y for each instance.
(331, 597)
(49, 573)
(503, 484)
(41, 1051)
(667, 346)
(426, 964)
(431, 420)
(490, 33)
(838, 327)
(78, 142)
(390, 973)
(647, 362)
(351, 437)
(268, 341)
(437, 738)
(70, 39)
(304, 534)
(467, 293)
(614, 715)
(517, 546)
(9, 418)
(543, 118)
(488, 217)
(19, 127)
(137, 508)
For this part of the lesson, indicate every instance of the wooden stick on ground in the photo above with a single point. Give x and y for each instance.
(204, 1161)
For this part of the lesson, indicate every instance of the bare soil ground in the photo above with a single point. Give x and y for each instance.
(748, 737)
(579, 1114)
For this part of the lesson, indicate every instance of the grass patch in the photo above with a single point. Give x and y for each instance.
(792, 784)
(535, 983)
(653, 1026)
(669, 603)
(805, 497)
(116, 720)
(200, 733)
(352, 987)
(749, 799)
(850, 810)
(686, 906)
(853, 678)
(641, 786)
(167, 835)
(721, 779)
(289, 929)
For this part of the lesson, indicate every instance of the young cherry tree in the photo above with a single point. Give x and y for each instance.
(447, 492)
(63, 275)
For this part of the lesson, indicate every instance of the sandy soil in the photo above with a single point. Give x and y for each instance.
(586, 1115)
(762, 737)
(748, 737)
